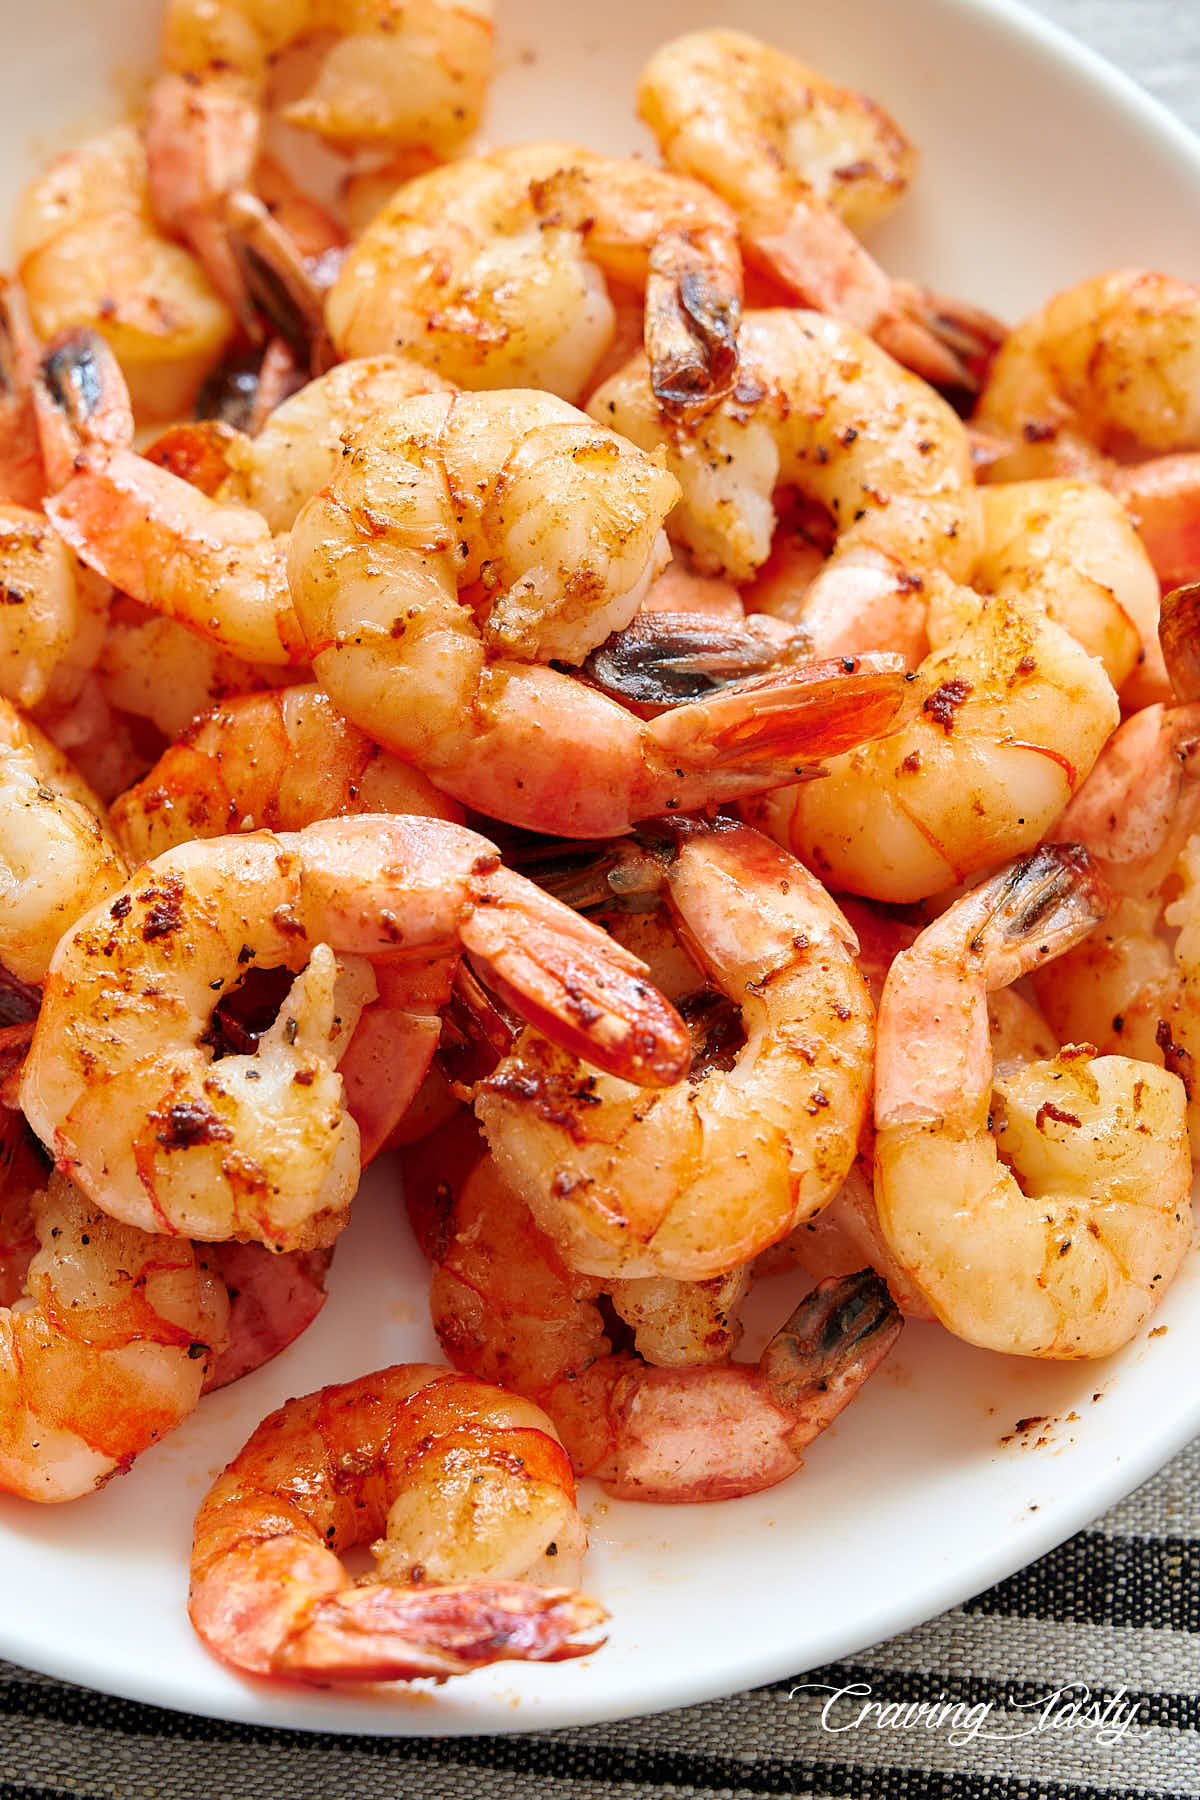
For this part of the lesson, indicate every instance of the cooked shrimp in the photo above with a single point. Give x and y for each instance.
(22, 472)
(282, 760)
(286, 760)
(109, 1354)
(805, 165)
(821, 408)
(474, 1497)
(1012, 714)
(272, 1299)
(196, 547)
(153, 669)
(215, 568)
(58, 857)
(696, 1180)
(52, 621)
(1162, 498)
(493, 271)
(88, 254)
(472, 539)
(300, 447)
(106, 747)
(395, 76)
(1135, 814)
(121, 1080)
(1070, 548)
(847, 1236)
(508, 1308)
(1107, 369)
(1127, 987)
(1055, 1232)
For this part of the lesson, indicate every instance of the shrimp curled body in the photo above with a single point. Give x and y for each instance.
(122, 1082)
(1063, 1247)
(476, 1499)
(474, 540)
(696, 1180)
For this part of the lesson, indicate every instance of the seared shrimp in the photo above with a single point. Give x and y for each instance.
(507, 1307)
(821, 408)
(847, 1234)
(1054, 1232)
(300, 446)
(1136, 815)
(286, 760)
(215, 568)
(282, 760)
(1012, 713)
(22, 471)
(474, 1496)
(471, 540)
(58, 856)
(1108, 369)
(88, 254)
(193, 531)
(121, 1081)
(805, 165)
(493, 271)
(53, 618)
(1069, 548)
(697, 1179)
(154, 669)
(109, 1354)
(401, 74)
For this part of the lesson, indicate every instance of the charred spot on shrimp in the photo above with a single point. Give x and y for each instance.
(186, 1123)
(164, 913)
(944, 702)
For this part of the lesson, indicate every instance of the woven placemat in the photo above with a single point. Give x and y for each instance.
(1077, 1677)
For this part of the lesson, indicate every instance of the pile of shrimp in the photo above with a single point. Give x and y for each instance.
(562, 669)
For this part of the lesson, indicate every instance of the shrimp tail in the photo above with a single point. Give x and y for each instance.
(773, 725)
(832, 1343)
(1037, 908)
(284, 286)
(664, 659)
(197, 451)
(693, 309)
(575, 984)
(944, 339)
(81, 402)
(384, 1633)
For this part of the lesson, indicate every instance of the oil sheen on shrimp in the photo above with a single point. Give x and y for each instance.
(121, 1081)
(805, 165)
(1046, 1213)
(58, 856)
(495, 270)
(108, 1352)
(282, 760)
(89, 254)
(699, 1178)
(479, 539)
(672, 1420)
(470, 1496)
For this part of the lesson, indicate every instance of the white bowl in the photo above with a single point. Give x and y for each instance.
(1041, 166)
